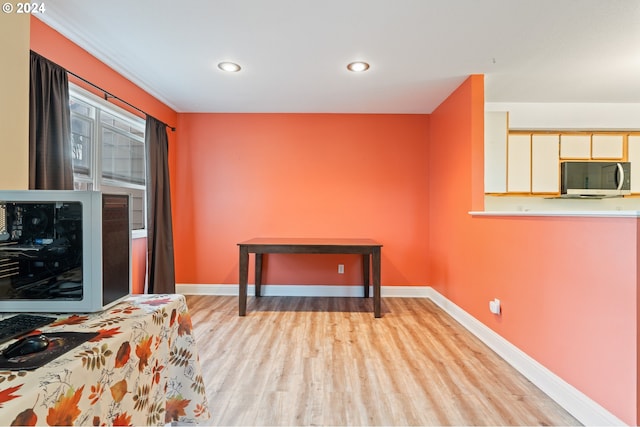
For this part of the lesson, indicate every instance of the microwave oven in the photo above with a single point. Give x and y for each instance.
(595, 178)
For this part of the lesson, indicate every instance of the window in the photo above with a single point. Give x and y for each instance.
(107, 145)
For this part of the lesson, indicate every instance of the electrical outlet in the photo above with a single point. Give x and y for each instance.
(340, 268)
(494, 306)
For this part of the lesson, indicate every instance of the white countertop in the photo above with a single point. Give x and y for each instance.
(609, 214)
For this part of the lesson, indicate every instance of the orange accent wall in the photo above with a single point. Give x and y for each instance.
(567, 285)
(301, 175)
(57, 48)
(138, 265)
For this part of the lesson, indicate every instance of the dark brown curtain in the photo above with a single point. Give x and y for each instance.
(160, 265)
(50, 163)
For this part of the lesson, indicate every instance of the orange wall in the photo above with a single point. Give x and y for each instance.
(138, 265)
(568, 286)
(52, 45)
(316, 175)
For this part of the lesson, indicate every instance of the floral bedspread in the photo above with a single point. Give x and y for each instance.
(141, 369)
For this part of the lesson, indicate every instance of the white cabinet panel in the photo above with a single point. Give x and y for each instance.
(519, 163)
(634, 158)
(495, 151)
(575, 146)
(545, 155)
(607, 146)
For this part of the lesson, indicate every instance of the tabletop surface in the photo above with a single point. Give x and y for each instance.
(309, 241)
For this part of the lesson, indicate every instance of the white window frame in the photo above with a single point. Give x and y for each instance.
(95, 180)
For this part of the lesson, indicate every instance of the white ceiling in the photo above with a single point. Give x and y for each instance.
(294, 52)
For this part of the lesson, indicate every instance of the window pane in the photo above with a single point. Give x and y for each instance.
(122, 157)
(82, 185)
(81, 108)
(108, 151)
(81, 137)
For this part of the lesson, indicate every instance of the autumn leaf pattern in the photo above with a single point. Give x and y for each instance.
(119, 390)
(74, 319)
(124, 309)
(96, 357)
(141, 398)
(66, 410)
(109, 321)
(105, 333)
(172, 319)
(180, 356)
(159, 316)
(154, 414)
(184, 324)
(128, 376)
(175, 408)
(200, 410)
(198, 384)
(157, 302)
(10, 376)
(96, 393)
(157, 369)
(122, 420)
(27, 417)
(7, 394)
(143, 351)
(122, 357)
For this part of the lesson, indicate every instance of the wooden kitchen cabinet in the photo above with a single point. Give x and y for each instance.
(575, 146)
(633, 153)
(604, 146)
(519, 163)
(496, 128)
(545, 157)
(533, 157)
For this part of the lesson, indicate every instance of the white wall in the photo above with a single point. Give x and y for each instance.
(569, 116)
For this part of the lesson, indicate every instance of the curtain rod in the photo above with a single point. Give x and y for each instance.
(108, 95)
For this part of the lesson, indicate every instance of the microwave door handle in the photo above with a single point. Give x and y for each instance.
(620, 176)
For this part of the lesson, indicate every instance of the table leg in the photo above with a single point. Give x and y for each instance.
(258, 274)
(243, 278)
(365, 274)
(376, 281)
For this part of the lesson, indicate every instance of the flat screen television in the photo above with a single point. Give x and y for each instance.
(63, 251)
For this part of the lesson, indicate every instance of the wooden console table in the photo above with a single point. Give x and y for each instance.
(260, 246)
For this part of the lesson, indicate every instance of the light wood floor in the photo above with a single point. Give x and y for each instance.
(327, 361)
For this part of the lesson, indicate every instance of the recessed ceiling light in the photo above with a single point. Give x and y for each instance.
(231, 67)
(358, 66)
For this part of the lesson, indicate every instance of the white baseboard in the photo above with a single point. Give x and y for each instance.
(304, 290)
(583, 408)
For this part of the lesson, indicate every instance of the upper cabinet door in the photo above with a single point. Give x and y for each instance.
(545, 170)
(607, 146)
(575, 146)
(519, 164)
(634, 158)
(495, 151)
